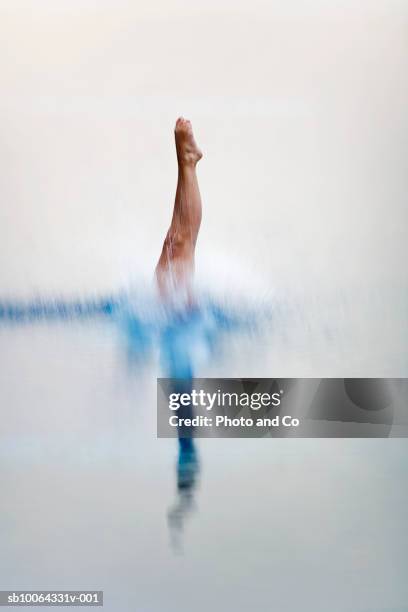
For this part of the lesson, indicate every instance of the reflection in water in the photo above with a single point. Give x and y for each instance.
(187, 473)
(187, 465)
(186, 337)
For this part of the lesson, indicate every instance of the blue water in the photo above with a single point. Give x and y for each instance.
(182, 334)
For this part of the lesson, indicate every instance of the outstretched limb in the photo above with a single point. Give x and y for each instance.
(175, 268)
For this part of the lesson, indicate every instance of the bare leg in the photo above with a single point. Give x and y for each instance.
(174, 271)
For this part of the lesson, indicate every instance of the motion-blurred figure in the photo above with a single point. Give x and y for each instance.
(174, 274)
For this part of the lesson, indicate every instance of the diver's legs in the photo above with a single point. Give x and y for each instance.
(175, 268)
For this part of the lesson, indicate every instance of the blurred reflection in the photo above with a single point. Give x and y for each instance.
(179, 341)
(187, 337)
(187, 474)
